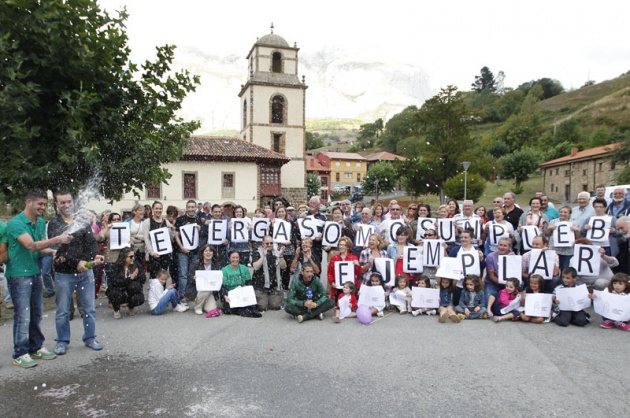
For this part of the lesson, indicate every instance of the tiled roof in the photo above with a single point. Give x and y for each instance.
(206, 148)
(384, 156)
(587, 154)
(313, 164)
(344, 155)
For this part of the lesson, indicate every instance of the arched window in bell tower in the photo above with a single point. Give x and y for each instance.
(276, 63)
(277, 109)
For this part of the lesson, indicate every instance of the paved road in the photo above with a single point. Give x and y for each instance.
(187, 365)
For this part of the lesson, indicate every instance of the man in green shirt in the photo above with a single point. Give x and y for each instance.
(307, 297)
(26, 238)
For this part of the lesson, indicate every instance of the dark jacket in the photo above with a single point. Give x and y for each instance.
(83, 246)
(297, 294)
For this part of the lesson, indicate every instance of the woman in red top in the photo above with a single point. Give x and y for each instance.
(345, 245)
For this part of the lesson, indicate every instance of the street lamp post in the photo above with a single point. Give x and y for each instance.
(466, 165)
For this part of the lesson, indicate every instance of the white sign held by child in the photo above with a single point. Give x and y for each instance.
(344, 307)
(538, 304)
(372, 297)
(513, 305)
(423, 297)
(612, 306)
(242, 296)
(398, 298)
(573, 298)
(208, 280)
(161, 241)
(119, 236)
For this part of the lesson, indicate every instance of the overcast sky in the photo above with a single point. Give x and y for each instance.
(571, 41)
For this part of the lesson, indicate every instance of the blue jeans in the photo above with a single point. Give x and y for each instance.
(83, 283)
(169, 296)
(45, 265)
(493, 289)
(184, 261)
(28, 301)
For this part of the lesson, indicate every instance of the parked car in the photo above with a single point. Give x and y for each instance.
(332, 205)
(356, 197)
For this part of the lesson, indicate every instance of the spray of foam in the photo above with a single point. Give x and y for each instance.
(83, 217)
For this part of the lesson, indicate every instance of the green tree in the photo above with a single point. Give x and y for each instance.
(73, 104)
(313, 141)
(380, 178)
(401, 126)
(369, 134)
(520, 165)
(418, 176)
(475, 186)
(444, 122)
(549, 87)
(485, 81)
(313, 185)
(568, 131)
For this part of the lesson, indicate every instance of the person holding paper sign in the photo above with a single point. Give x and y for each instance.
(606, 264)
(376, 280)
(539, 242)
(157, 262)
(466, 246)
(395, 251)
(185, 257)
(491, 281)
(506, 297)
(110, 255)
(346, 229)
(349, 299)
(236, 275)
(205, 300)
(564, 318)
(374, 250)
(619, 285)
(532, 218)
(241, 247)
(288, 247)
(610, 245)
(564, 253)
(496, 229)
(313, 205)
(472, 303)
(307, 297)
(267, 281)
(366, 219)
(344, 255)
(536, 285)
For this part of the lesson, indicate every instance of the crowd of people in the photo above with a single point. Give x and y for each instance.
(369, 252)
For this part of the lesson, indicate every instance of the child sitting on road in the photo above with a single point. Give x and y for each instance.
(506, 296)
(536, 285)
(618, 285)
(472, 302)
(402, 286)
(423, 281)
(159, 297)
(349, 289)
(446, 309)
(376, 280)
(564, 318)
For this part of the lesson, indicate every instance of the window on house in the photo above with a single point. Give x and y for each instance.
(324, 181)
(347, 175)
(277, 109)
(600, 167)
(557, 171)
(276, 65)
(190, 185)
(278, 143)
(567, 173)
(358, 177)
(358, 163)
(338, 163)
(585, 187)
(270, 181)
(154, 191)
(227, 191)
(348, 164)
(551, 190)
(336, 176)
(613, 165)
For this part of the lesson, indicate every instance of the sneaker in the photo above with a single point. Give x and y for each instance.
(607, 324)
(484, 316)
(588, 317)
(300, 318)
(461, 316)
(431, 312)
(496, 319)
(415, 313)
(199, 311)
(336, 320)
(455, 318)
(60, 348)
(117, 315)
(94, 345)
(213, 313)
(183, 302)
(623, 327)
(403, 312)
(181, 308)
(320, 316)
(442, 318)
(132, 312)
(25, 361)
(380, 314)
(43, 354)
(516, 318)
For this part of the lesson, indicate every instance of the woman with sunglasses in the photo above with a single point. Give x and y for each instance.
(110, 255)
(127, 283)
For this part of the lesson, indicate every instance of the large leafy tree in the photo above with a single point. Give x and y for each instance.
(380, 178)
(313, 184)
(401, 126)
(471, 185)
(73, 104)
(444, 122)
(520, 164)
(369, 134)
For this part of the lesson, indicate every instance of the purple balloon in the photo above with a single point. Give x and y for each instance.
(364, 315)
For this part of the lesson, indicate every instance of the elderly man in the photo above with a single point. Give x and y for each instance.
(620, 206)
(267, 279)
(600, 193)
(547, 209)
(467, 217)
(513, 212)
(497, 202)
(389, 214)
(583, 211)
(346, 209)
(366, 219)
(491, 281)
(395, 213)
(623, 226)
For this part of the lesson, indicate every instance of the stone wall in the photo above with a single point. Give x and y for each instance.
(295, 195)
